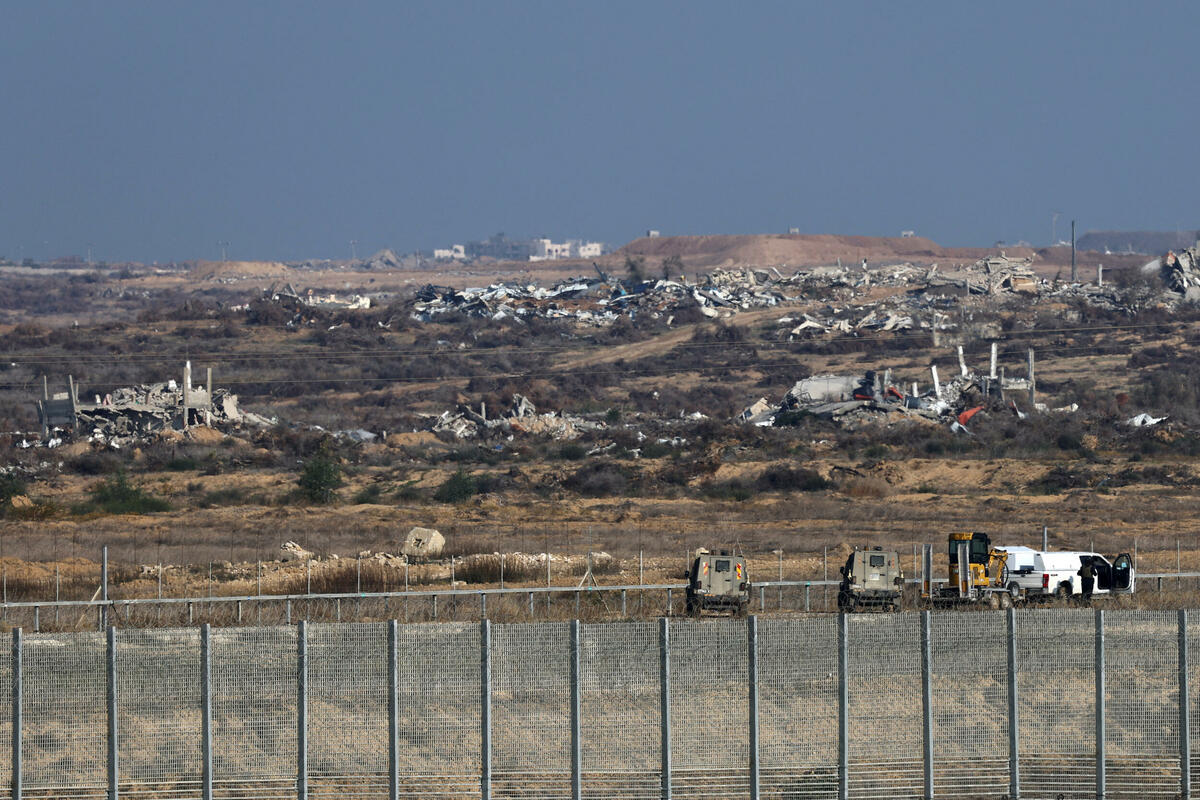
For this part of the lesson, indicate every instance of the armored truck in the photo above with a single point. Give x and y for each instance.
(871, 579)
(717, 583)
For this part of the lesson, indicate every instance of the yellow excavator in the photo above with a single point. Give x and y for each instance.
(983, 577)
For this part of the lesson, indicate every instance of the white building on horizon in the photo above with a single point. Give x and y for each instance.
(547, 250)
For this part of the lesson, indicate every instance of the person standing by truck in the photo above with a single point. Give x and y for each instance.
(1087, 579)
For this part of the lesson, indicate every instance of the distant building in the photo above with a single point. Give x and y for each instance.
(907, 234)
(501, 248)
(653, 234)
(455, 252)
(546, 250)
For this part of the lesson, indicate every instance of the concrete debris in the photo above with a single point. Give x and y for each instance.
(850, 399)
(603, 299)
(291, 551)
(423, 543)
(130, 414)
(521, 417)
(1181, 271)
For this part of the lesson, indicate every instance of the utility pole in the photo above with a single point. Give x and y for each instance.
(222, 245)
(354, 249)
(1054, 215)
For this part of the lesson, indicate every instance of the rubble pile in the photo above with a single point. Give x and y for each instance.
(521, 417)
(873, 397)
(602, 300)
(1181, 271)
(136, 413)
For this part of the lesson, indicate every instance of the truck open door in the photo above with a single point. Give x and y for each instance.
(1122, 573)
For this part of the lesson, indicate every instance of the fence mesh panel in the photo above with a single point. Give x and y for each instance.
(254, 691)
(710, 750)
(6, 679)
(969, 678)
(621, 733)
(65, 722)
(884, 678)
(1193, 660)
(798, 706)
(1056, 697)
(158, 705)
(1141, 655)
(531, 731)
(439, 720)
(348, 708)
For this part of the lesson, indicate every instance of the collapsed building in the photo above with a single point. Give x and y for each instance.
(603, 299)
(132, 413)
(1180, 271)
(520, 417)
(874, 397)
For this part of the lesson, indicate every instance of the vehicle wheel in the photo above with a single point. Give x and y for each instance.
(1004, 574)
(1014, 591)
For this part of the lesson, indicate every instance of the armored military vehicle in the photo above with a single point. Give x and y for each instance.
(717, 583)
(871, 579)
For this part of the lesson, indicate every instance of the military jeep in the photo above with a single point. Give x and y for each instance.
(717, 583)
(871, 579)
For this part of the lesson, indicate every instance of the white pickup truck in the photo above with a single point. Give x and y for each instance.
(1035, 574)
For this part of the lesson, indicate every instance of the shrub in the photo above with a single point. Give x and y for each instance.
(599, 480)
(11, 485)
(778, 478)
(458, 487)
(733, 489)
(371, 493)
(117, 496)
(321, 477)
(572, 451)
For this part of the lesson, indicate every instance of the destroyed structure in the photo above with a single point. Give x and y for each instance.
(604, 299)
(521, 417)
(1180, 271)
(926, 295)
(132, 413)
(873, 397)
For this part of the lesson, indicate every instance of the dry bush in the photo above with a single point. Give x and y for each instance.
(864, 487)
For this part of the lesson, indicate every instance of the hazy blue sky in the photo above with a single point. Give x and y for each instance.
(153, 130)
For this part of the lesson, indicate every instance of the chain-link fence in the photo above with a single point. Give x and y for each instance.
(1033, 703)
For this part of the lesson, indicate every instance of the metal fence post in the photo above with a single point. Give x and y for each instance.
(1014, 728)
(206, 759)
(302, 710)
(393, 711)
(752, 675)
(485, 710)
(111, 663)
(843, 709)
(1185, 733)
(927, 701)
(664, 702)
(576, 708)
(1100, 744)
(18, 701)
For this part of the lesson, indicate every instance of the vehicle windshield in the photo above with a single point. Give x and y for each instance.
(723, 565)
(876, 561)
